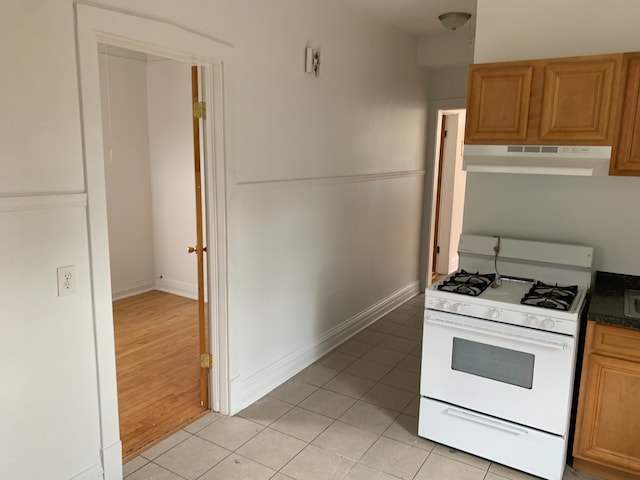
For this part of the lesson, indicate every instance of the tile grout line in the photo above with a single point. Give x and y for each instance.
(396, 413)
(334, 421)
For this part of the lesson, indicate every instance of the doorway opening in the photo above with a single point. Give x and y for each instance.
(449, 182)
(152, 176)
(95, 26)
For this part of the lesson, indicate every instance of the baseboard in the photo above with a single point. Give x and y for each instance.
(246, 391)
(120, 292)
(94, 472)
(601, 471)
(162, 284)
(112, 461)
(177, 287)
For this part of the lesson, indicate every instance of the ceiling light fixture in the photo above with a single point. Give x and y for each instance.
(454, 20)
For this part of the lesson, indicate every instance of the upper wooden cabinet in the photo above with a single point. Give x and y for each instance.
(579, 99)
(498, 102)
(570, 101)
(626, 150)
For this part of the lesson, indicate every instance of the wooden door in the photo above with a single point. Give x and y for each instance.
(579, 100)
(626, 154)
(200, 249)
(498, 101)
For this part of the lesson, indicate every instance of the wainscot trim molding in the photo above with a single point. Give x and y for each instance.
(248, 390)
(94, 472)
(330, 180)
(43, 202)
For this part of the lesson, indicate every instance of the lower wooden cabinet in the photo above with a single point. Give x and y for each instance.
(607, 440)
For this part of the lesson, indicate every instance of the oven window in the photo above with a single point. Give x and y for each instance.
(501, 364)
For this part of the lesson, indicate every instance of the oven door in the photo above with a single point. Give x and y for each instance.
(510, 372)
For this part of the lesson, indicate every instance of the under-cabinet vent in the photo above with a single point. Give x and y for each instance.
(538, 159)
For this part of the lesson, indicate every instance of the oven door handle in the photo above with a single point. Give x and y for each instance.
(494, 333)
(487, 422)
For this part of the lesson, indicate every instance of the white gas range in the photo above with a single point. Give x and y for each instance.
(499, 351)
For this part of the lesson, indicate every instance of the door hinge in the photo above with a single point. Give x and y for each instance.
(445, 134)
(206, 360)
(438, 249)
(199, 110)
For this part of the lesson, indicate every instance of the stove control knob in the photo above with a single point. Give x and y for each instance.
(493, 313)
(531, 321)
(548, 324)
(458, 307)
(444, 305)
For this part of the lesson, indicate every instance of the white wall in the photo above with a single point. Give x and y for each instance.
(49, 397)
(448, 83)
(127, 173)
(364, 115)
(36, 39)
(308, 256)
(590, 211)
(148, 140)
(446, 49)
(315, 256)
(172, 176)
(593, 211)
(544, 29)
(50, 426)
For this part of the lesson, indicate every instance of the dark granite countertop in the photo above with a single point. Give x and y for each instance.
(607, 299)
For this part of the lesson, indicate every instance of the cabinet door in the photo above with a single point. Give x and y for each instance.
(579, 100)
(626, 155)
(498, 99)
(609, 424)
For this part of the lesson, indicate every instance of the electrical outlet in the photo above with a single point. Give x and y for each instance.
(66, 280)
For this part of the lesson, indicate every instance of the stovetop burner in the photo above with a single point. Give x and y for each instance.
(550, 296)
(466, 283)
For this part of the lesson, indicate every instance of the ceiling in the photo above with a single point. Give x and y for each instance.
(419, 17)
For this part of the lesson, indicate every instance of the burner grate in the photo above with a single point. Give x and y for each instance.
(466, 283)
(550, 296)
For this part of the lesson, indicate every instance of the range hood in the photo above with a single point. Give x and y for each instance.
(540, 159)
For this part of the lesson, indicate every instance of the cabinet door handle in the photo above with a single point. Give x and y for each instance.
(487, 422)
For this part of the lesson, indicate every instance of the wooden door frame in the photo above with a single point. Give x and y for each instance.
(96, 25)
(438, 196)
(450, 189)
(434, 120)
(200, 248)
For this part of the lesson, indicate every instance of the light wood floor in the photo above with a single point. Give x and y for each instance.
(158, 368)
(436, 276)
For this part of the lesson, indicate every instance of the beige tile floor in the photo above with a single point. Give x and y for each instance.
(352, 415)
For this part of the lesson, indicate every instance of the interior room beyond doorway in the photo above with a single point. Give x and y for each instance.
(448, 192)
(158, 380)
(149, 180)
